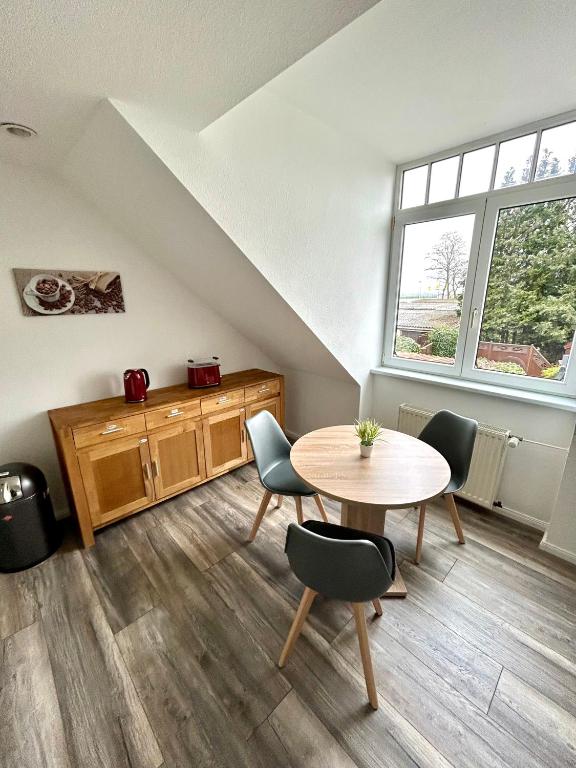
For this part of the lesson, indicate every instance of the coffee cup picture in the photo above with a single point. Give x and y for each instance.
(69, 292)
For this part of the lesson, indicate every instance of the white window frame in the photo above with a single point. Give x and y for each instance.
(430, 213)
(486, 207)
(513, 197)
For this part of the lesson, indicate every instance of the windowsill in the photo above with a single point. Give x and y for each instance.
(492, 390)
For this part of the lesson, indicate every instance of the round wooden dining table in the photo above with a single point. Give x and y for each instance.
(401, 472)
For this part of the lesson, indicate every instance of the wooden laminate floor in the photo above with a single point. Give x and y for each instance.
(158, 647)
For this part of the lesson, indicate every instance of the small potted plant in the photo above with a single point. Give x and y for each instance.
(368, 431)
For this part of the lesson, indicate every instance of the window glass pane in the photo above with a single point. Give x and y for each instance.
(476, 171)
(443, 179)
(414, 186)
(530, 310)
(433, 274)
(515, 161)
(557, 154)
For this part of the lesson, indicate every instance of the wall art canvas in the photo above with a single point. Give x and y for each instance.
(45, 292)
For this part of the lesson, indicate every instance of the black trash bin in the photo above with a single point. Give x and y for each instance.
(29, 532)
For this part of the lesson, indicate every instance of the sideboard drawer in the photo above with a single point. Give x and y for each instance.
(108, 430)
(262, 391)
(223, 401)
(163, 417)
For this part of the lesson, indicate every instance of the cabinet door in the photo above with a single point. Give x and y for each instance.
(117, 478)
(224, 441)
(177, 455)
(272, 405)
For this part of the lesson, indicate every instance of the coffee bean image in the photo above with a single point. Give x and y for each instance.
(75, 292)
(61, 301)
(47, 286)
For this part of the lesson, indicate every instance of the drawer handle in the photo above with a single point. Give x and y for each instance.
(174, 412)
(263, 389)
(112, 428)
(223, 399)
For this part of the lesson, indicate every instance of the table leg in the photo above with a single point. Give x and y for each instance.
(372, 519)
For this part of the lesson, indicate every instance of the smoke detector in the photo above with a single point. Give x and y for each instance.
(15, 129)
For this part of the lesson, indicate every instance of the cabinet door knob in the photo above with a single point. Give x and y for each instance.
(146, 471)
(155, 468)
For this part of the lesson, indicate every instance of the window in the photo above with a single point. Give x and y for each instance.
(414, 187)
(443, 177)
(483, 270)
(435, 257)
(515, 161)
(557, 152)
(529, 313)
(476, 171)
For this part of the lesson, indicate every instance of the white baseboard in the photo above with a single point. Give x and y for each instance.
(563, 554)
(521, 517)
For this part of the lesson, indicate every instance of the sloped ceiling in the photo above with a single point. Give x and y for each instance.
(412, 77)
(113, 167)
(408, 77)
(193, 59)
(307, 206)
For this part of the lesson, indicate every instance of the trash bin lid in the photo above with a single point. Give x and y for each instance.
(19, 481)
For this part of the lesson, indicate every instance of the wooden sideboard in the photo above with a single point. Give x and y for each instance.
(118, 458)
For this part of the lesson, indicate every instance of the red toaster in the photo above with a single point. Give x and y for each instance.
(204, 374)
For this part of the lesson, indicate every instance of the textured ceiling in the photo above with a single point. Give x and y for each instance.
(190, 59)
(411, 77)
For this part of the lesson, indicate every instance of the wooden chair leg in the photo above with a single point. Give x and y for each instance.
(453, 509)
(365, 654)
(297, 624)
(377, 606)
(320, 506)
(260, 514)
(299, 515)
(279, 501)
(420, 533)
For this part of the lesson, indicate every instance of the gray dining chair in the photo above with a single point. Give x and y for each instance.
(453, 436)
(272, 454)
(343, 564)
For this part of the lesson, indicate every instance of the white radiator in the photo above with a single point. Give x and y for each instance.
(487, 460)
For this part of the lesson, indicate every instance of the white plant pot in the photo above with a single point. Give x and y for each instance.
(366, 450)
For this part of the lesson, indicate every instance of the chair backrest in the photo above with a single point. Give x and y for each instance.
(352, 570)
(453, 436)
(269, 443)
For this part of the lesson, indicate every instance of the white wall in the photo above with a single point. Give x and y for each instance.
(532, 474)
(317, 401)
(309, 206)
(114, 168)
(49, 362)
(560, 538)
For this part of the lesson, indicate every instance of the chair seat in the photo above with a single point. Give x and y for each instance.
(453, 486)
(283, 480)
(343, 533)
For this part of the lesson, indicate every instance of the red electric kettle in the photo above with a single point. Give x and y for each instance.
(136, 382)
